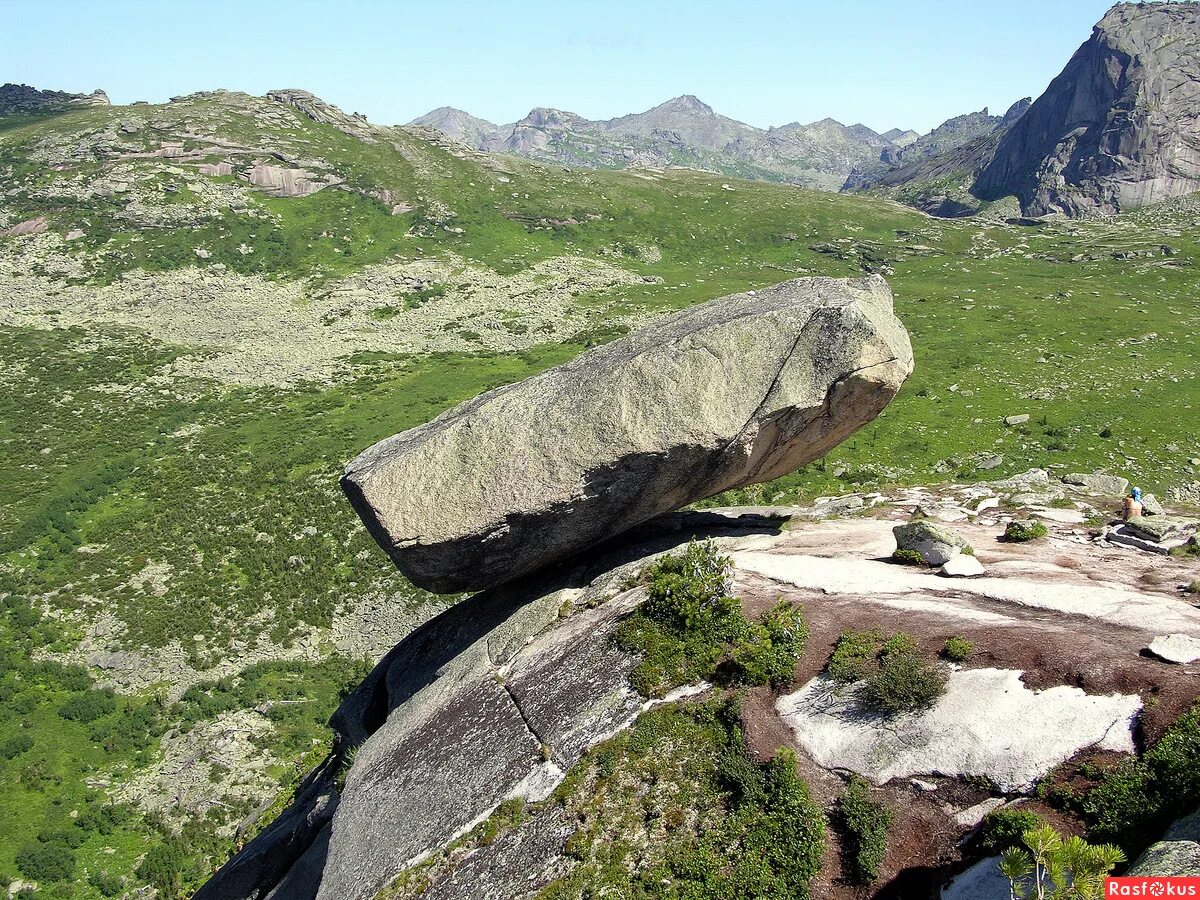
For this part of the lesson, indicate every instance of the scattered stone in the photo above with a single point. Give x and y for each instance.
(1151, 506)
(1016, 420)
(937, 545)
(989, 503)
(1176, 648)
(1099, 483)
(530, 473)
(962, 565)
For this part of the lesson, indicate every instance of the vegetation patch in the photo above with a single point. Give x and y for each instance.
(1137, 799)
(957, 649)
(1049, 866)
(1019, 531)
(864, 823)
(896, 677)
(690, 629)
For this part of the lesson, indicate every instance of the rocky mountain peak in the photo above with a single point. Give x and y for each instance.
(686, 103)
(1117, 128)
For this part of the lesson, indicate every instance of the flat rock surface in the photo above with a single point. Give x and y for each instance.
(1176, 648)
(732, 392)
(987, 723)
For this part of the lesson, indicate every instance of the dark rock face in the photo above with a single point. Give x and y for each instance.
(1118, 128)
(20, 99)
(733, 392)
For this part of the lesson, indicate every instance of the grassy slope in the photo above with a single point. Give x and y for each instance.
(84, 466)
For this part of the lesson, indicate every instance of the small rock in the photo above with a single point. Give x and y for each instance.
(1151, 506)
(1175, 648)
(989, 503)
(1016, 420)
(962, 566)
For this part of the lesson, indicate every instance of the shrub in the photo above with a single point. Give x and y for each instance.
(107, 885)
(1022, 530)
(854, 655)
(88, 706)
(905, 681)
(15, 745)
(864, 823)
(1194, 586)
(896, 677)
(957, 649)
(46, 862)
(1050, 867)
(164, 867)
(1004, 828)
(684, 628)
(690, 593)
(908, 557)
(768, 652)
(1139, 798)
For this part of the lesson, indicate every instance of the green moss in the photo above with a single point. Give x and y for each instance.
(908, 557)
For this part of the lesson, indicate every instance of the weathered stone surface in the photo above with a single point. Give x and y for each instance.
(736, 391)
(1099, 483)
(937, 545)
(1178, 853)
(983, 881)
(1175, 648)
(1117, 128)
(1151, 506)
(1161, 528)
(987, 723)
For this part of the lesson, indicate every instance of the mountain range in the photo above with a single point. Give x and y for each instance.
(683, 131)
(1117, 129)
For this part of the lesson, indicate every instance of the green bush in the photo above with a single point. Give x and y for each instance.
(908, 557)
(1138, 798)
(896, 676)
(957, 649)
(106, 884)
(864, 823)
(1021, 530)
(89, 706)
(683, 629)
(46, 862)
(1049, 867)
(15, 745)
(1004, 828)
(905, 680)
(1194, 586)
(854, 656)
(769, 651)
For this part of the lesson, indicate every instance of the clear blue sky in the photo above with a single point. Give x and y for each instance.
(885, 63)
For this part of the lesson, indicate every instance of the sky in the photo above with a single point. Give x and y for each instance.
(885, 63)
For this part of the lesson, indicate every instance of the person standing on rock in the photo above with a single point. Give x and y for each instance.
(1132, 508)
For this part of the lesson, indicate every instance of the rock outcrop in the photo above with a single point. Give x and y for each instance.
(21, 99)
(734, 392)
(1118, 128)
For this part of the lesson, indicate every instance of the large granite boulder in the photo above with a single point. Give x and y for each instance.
(733, 392)
(1117, 129)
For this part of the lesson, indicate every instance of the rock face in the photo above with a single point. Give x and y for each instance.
(734, 392)
(1178, 853)
(1118, 128)
(19, 99)
(1099, 483)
